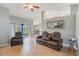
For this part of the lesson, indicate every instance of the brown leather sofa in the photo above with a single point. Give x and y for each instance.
(50, 40)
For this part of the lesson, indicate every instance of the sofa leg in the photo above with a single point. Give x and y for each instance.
(59, 49)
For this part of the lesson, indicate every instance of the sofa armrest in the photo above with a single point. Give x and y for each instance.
(39, 37)
(60, 42)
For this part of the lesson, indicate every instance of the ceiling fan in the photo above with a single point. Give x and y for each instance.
(31, 6)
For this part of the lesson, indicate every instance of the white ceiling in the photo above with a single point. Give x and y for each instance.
(51, 10)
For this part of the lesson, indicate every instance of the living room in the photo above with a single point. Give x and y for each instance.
(35, 24)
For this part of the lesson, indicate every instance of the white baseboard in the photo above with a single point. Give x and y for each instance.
(1, 45)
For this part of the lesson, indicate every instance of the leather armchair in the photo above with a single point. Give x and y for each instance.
(17, 40)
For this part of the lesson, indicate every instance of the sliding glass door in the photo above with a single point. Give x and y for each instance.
(25, 29)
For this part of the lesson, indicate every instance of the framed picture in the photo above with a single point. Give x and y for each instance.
(59, 24)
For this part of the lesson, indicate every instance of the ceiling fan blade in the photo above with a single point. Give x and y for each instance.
(36, 6)
(25, 7)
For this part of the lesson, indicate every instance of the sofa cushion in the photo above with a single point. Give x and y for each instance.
(50, 36)
(56, 34)
(45, 38)
(52, 42)
(42, 40)
(55, 39)
(45, 35)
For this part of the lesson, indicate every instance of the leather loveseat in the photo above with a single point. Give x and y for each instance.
(53, 40)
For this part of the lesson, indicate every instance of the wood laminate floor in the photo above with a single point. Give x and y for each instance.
(31, 48)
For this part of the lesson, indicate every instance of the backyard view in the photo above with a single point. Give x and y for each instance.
(25, 29)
